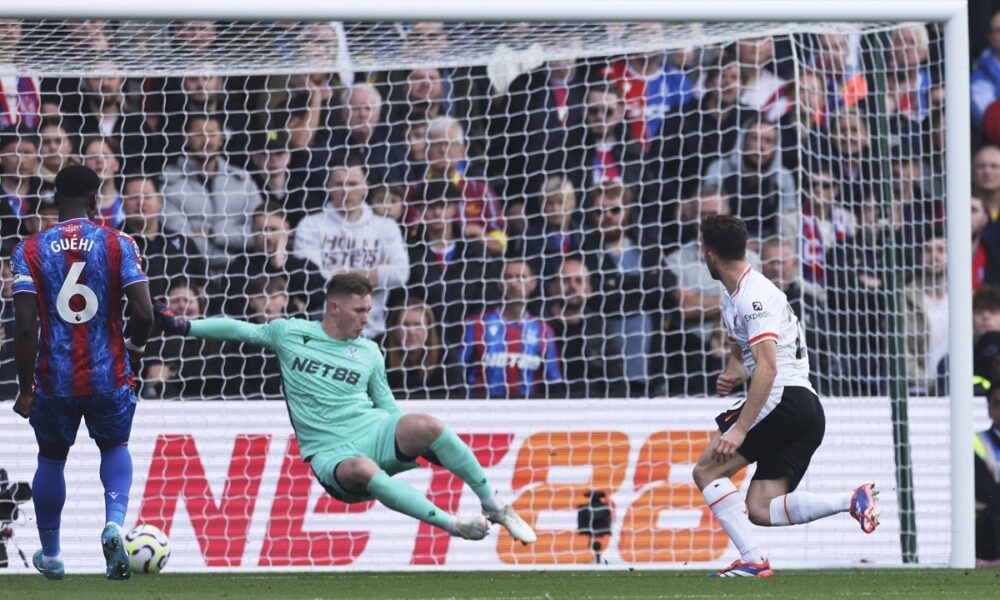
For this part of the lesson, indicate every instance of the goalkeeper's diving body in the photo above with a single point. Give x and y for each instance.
(349, 427)
(778, 425)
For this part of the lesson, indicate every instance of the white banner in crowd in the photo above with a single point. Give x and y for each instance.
(225, 481)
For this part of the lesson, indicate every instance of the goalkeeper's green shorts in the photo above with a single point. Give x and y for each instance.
(379, 444)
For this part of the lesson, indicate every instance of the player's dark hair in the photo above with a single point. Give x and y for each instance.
(76, 184)
(346, 284)
(725, 235)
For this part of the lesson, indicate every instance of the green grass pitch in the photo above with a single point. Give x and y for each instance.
(910, 584)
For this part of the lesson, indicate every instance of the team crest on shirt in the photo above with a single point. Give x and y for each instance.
(493, 329)
(758, 305)
(352, 353)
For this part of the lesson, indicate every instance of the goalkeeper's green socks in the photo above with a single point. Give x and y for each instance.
(407, 500)
(455, 456)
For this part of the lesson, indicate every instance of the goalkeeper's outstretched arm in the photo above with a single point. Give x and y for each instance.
(215, 328)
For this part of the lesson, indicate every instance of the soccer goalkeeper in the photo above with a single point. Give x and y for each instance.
(349, 427)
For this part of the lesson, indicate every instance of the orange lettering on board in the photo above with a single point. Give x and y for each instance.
(606, 452)
(641, 540)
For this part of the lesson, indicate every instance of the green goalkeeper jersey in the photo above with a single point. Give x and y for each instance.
(335, 389)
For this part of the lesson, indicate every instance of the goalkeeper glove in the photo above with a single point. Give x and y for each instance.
(170, 322)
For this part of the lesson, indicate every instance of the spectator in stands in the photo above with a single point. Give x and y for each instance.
(625, 277)
(252, 371)
(207, 93)
(43, 214)
(166, 255)
(592, 361)
(825, 223)
(56, 150)
(455, 275)
(985, 365)
(447, 159)
(985, 246)
(416, 151)
(534, 124)
(347, 235)
(987, 477)
(559, 230)
(387, 201)
(985, 311)
(760, 190)
(19, 181)
(835, 59)
(21, 94)
(207, 198)
(925, 312)
(986, 178)
(692, 139)
(423, 97)
(270, 162)
(608, 153)
(780, 264)
(651, 88)
(508, 352)
(416, 360)
(909, 82)
(177, 367)
(985, 79)
(761, 89)
(806, 119)
(268, 257)
(96, 107)
(101, 156)
(364, 134)
(194, 38)
(851, 143)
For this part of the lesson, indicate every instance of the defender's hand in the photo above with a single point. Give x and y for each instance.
(170, 322)
(22, 405)
(729, 443)
(727, 382)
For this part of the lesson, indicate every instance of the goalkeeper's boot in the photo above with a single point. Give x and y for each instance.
(115, 554)
(508, 517)
(471, 527)
(864, 507)
(52, 568)
(741, 568)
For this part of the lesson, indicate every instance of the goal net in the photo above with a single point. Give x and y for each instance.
(526, 200)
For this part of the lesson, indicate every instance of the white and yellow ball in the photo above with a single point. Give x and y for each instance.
(148, 549)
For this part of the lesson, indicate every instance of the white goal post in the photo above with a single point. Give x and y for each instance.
(952, 13)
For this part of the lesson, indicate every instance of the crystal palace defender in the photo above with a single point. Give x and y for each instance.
(349, 427)
(69, 279)
(778, 425)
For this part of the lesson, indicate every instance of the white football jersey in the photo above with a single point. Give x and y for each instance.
(759, 311)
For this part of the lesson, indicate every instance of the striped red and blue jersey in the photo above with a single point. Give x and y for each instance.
(503, 359)
(78, 271)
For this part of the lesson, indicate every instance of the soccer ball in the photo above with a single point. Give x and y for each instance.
(148, 549)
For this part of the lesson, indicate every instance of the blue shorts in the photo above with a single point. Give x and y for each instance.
(56, 419)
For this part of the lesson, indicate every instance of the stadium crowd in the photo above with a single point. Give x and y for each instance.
(532, 234)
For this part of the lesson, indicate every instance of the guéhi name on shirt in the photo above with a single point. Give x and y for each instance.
(73, 243)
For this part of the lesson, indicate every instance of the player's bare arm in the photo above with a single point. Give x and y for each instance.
(735, 373)
(25, 350)
(765, 354)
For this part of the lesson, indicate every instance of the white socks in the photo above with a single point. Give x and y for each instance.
(731, 511)
(492, 504)
(803, 507)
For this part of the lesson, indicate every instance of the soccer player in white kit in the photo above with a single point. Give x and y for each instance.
(780, 422)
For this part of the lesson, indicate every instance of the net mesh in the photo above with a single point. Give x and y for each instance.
(525, 197)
